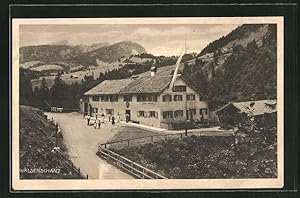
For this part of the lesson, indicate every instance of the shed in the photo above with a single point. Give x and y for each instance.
(260, 114)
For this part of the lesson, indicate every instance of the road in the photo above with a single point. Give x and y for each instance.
(82, 142)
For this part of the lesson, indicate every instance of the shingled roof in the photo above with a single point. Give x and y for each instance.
(147, 84)
(143, 83)
(109, 87)
(254, 108)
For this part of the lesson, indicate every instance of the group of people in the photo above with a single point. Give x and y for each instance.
(97, 122)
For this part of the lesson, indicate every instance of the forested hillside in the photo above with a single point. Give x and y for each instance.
(68, 95)
(242, 66)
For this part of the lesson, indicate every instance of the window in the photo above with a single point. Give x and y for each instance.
(203, 111)
(167, 114)
(190, 97)
(167, 98)
(127, 98)
(104, 98)
(95, 98)
(109, 111)
(178, 113)
(152, 98)
(139, 98)
(192, 111)
(144, 98)
(180, 88)
(113, 98)
(141, 113)
(153, 114)
(201, 98)
(177, 97)
(95, 110)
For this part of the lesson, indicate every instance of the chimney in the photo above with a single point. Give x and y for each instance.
(153, 70)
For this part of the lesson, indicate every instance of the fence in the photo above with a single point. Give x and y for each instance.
(68, 164)
(138, 170)
(159, 138)
(127, 165)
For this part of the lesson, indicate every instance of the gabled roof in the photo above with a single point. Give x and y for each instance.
(142, 83)
(147, 84)
(254, 108)
(109, 87)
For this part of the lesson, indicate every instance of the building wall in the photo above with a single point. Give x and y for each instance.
(102, 106)
(183, 105)
(145, 106)
(134, 107)
(159, 106)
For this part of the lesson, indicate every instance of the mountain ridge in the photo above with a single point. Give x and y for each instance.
(80, 54)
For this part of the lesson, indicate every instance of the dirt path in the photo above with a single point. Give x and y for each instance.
(82, 142)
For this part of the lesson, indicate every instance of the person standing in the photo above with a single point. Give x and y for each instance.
(113, 120)
(102, 118)
(95, 124)
(88, 119)
(127, 117)
(99, 123)
(118, 117)
(109, 115)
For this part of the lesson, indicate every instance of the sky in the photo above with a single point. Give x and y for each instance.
(157, 39)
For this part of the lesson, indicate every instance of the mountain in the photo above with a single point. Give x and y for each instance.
(79, 54)
(238, 67)
(111, 53)
(88, 48)
(62, 42)
(48, 53)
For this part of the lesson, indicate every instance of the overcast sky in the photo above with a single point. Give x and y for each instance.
(158, 39)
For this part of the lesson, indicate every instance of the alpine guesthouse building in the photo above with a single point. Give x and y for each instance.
(159, 98)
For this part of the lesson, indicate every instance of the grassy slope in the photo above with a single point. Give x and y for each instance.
(206, 157)
(36, 143)
(127, 132)
(132, 132)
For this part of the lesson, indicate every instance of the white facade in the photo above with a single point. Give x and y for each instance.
(152, 109)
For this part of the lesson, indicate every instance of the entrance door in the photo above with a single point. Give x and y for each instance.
(85, 108)
(127, 115)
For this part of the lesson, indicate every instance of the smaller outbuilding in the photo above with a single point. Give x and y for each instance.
(259, 114)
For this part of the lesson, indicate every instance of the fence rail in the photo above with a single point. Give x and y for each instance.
(158, 138)
(129, 166)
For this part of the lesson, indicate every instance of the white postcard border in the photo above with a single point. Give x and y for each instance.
(68, 184)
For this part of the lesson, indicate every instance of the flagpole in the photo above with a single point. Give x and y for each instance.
(186, 108)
